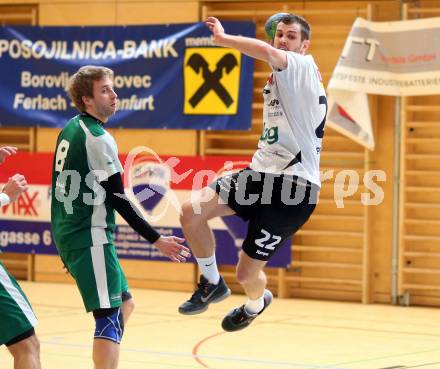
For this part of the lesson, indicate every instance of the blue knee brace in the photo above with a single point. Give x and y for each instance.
(109, 324)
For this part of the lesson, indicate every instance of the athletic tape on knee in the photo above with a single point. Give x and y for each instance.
(110, 327)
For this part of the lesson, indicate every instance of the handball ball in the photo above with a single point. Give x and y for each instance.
(271, 24)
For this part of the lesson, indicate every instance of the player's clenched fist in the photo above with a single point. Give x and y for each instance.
(15, 187)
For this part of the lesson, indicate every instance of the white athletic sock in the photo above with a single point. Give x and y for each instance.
(208, 266)
(254, 306)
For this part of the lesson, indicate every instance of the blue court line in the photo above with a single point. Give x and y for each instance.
(220, 358)
(388, 357)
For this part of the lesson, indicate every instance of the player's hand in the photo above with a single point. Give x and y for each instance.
(6, 151)
(15, 187)
(171, 247)
(215, 27)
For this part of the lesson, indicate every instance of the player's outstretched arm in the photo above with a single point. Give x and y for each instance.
(250, 46)
(170, 246)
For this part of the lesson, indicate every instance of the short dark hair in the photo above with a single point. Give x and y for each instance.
(306, 32)
(81, 83)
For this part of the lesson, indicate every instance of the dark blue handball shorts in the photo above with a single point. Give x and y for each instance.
(276, 206)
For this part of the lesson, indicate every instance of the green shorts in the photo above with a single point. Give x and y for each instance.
(98, 275)
(16, 315)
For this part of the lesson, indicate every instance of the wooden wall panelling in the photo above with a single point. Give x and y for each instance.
(413, 9)
(21, 137)
(342, 270)
(20, 265)
(381, 216)
(140, 273)
(18, 14)
(419, 246)
(77, 13)
(156, 12)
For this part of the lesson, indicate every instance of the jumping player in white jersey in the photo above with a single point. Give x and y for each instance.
(17, 319)
(279, 191)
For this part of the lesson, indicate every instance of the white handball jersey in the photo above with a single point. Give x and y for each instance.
(294, 112)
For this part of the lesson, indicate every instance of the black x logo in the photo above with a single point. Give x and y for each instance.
(212, 79)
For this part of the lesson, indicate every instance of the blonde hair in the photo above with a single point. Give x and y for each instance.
(81, 83)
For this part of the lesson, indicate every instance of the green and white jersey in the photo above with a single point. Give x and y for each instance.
(16, 314)
(85, 155)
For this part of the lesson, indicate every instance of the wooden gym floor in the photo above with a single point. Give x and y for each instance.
(303, 334)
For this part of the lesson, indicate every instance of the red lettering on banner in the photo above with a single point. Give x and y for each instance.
(423, 58)
(394, 59)
(25, 205)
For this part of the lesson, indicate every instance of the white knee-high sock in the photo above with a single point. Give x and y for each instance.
(209, 269)
(255, 306)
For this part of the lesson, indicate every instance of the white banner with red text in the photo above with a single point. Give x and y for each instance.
(399, 58)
